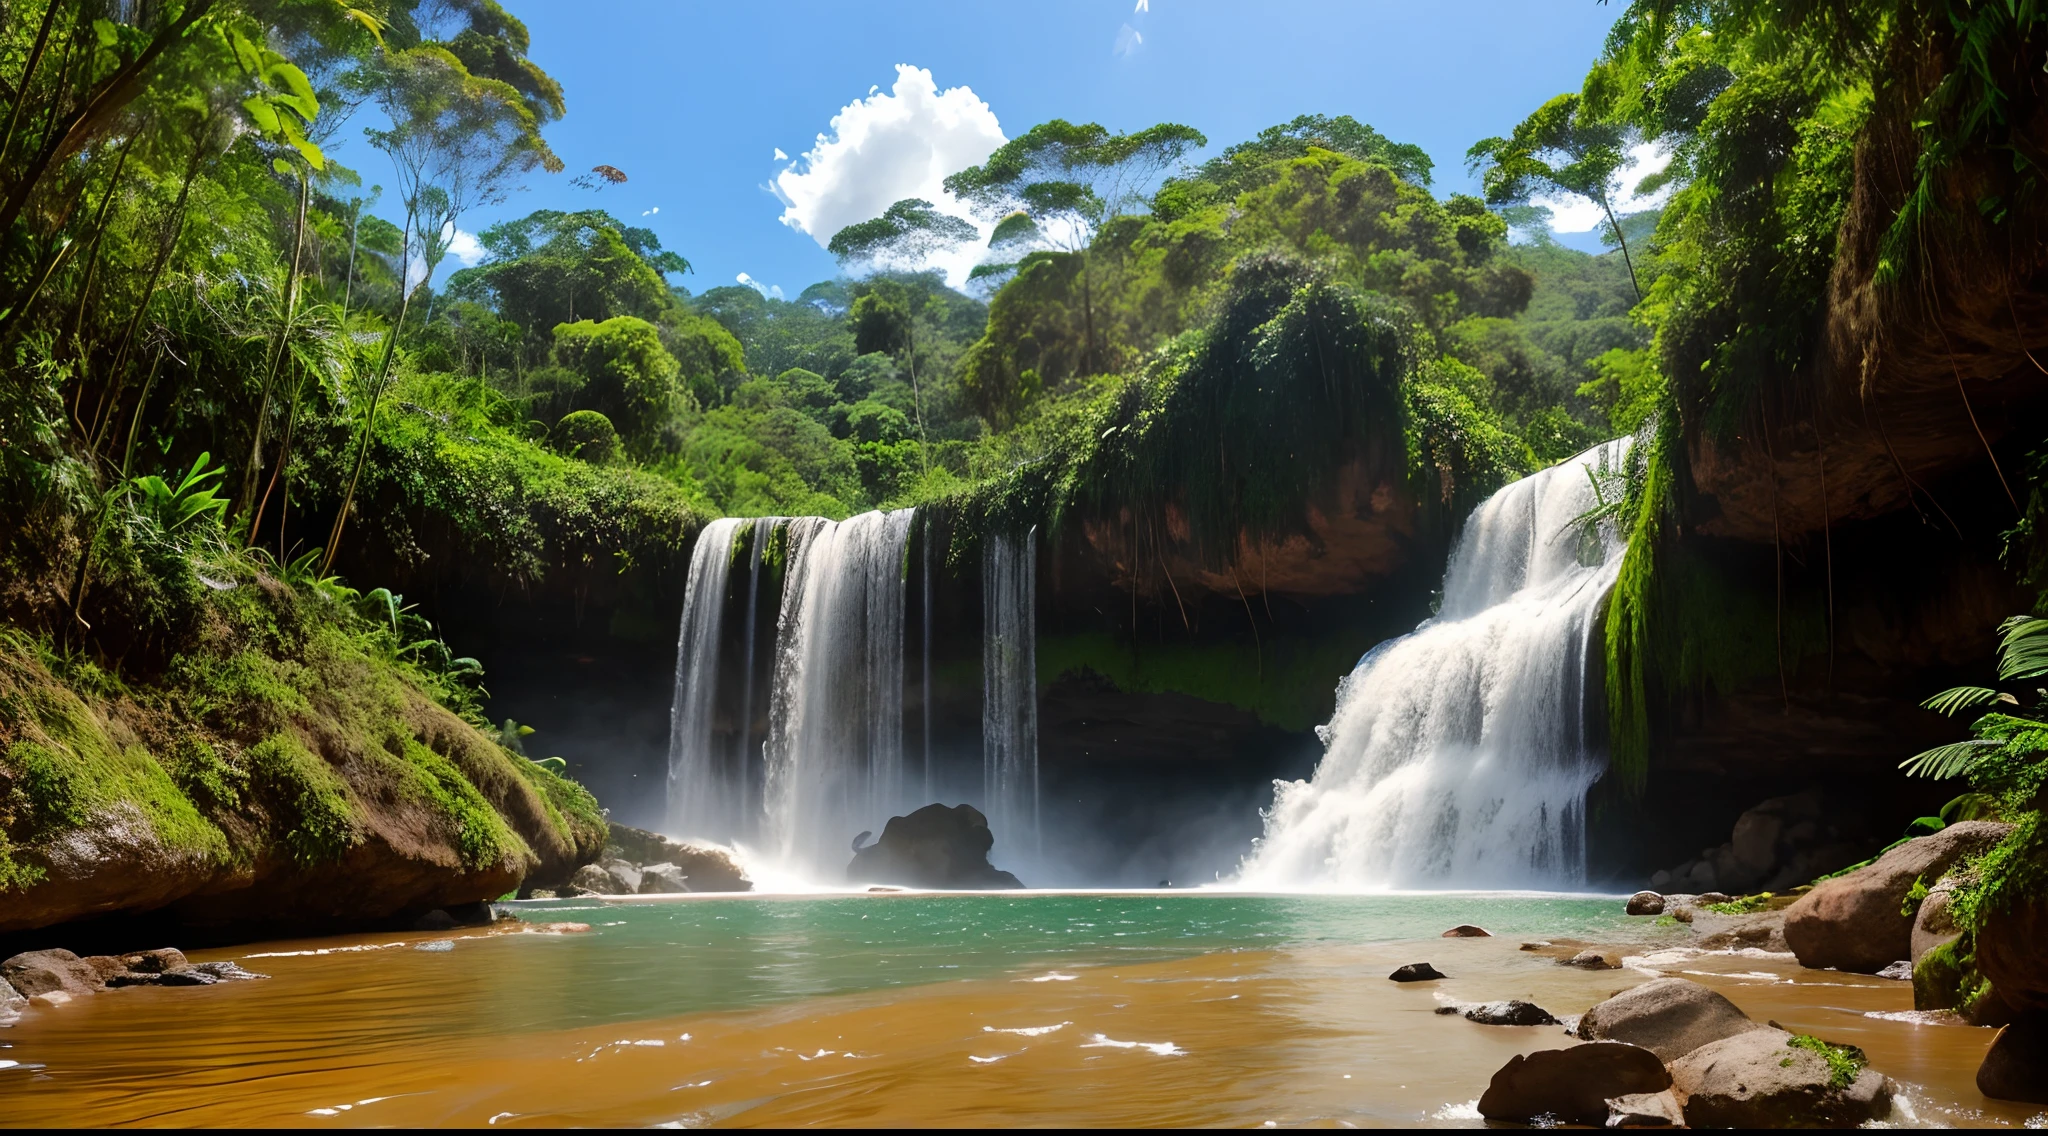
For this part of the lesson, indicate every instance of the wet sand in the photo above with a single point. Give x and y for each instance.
(383, 1033)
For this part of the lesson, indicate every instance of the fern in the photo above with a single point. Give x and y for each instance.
(2023, 647)
(1958, 698)
(1953, 760)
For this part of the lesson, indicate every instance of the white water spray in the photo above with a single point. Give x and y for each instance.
(1009, 688)
(835, 736)
(1457, 755)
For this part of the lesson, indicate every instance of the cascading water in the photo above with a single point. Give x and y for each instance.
(700, 796)
(1457, 755)
(1009, 692)
(835, 736)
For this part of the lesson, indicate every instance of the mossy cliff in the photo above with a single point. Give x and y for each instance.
(292, 764)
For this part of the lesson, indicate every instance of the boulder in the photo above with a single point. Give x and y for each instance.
(663, 879)
(708, 868)
(1764, 931)
(1767, 1078)
(934, 847)
(595, 880)
(2016, 1066)
(156, 961)
(1571, 1086)
(12, 1003)
(623, 872)
(1467, 931)
(1645, 1110)
(1593, 960)
(2012, 953)
(1857, 922)
(1512, 1012)
(51, 972)
(1947, 978)
(1645, 903)
(1670, 1017)
(1417, 972)
(1932, 924)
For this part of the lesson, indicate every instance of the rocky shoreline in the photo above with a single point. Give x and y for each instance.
(1672, 1052)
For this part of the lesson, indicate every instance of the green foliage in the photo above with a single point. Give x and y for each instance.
(627, 375)
(587, 435)
(172, 507)
(1845, 1062)
(319, 820)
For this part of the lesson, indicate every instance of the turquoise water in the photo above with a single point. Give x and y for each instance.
(643, 960)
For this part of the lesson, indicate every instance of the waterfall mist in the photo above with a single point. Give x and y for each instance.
(1458, 755)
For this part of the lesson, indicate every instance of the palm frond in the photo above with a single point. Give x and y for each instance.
(1958, 698)
(1944, 762)
(2023, 647)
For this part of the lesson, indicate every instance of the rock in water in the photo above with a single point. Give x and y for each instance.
(1512, 1012)
(592, 878)
(708, 868)
(1572, 1085)
(1645, 1110)
(51, 972)
(12, 1003)
(1762, 1079)
(2016, 1067)
(1859, 921)
(1592, 960)
(663, 879)
(934, 847)
(1646, 903)
(1417, 972)
(1670, 1017)
(1467, 931)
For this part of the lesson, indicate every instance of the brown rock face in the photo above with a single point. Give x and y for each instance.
(2016, 1067)
(1670, 1017)
(53, 971)
(1856, 922)
(2012, 951)
(1572, 1085)
(1758, 1079)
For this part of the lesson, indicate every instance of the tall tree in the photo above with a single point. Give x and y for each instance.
(1562, 148)
(1071, 180)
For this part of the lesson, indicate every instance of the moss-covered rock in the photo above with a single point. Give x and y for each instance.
(290, 767)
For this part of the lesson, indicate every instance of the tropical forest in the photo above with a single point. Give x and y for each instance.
(1234, 526)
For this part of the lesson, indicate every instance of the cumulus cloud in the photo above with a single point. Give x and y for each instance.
(464, 249)
(1569, 214)
(770, 291)
(884, 148)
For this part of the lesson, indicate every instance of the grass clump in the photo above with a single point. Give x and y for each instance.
(1845, 1062)
(481, 835)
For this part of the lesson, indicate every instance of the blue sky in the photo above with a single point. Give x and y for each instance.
(692, 101)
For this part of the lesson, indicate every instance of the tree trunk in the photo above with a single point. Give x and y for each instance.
(355, 476)
(253, 469)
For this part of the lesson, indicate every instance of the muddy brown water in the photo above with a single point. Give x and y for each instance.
(1036, 1010)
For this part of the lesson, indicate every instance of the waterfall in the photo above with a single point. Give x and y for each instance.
(834, 753)
(1009, 687)
(699, 791)
(1457, 755)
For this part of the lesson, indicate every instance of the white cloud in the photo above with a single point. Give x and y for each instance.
(771, 291)
(463, 248)
(1128, 40)
(1143, 6)
(780, 156)
(1571, 214)
(884, 148)
(650, 212)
